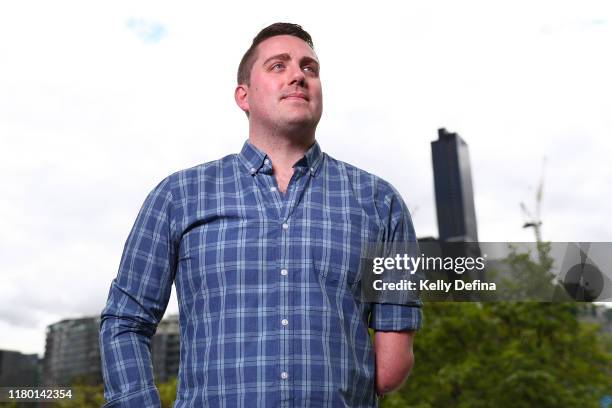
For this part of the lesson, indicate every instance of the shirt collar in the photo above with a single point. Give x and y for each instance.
(257, 161)
(252, 157)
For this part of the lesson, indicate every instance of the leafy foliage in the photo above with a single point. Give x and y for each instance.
(167, 393)
(85, 396)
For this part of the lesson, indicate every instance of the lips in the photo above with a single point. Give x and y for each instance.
(296, 95)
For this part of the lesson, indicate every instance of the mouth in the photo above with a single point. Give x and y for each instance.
(296, 95)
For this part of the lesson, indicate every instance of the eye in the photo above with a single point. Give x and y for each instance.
(277, 66)
(310, 68)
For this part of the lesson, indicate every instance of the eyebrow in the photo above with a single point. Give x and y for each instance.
(287, 57)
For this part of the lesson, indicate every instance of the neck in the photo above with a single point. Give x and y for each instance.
(284, 151)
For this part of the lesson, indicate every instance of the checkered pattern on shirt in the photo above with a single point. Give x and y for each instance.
(267, 285)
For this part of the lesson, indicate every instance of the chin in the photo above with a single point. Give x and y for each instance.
(302, 116)
(301, 123)
(297, 118)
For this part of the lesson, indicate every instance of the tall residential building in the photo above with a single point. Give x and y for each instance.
(72, 353)
(165, 349)
(453, 186)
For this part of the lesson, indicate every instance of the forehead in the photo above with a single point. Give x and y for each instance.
(284, 44)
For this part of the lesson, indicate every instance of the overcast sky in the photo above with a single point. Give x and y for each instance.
(100, 101)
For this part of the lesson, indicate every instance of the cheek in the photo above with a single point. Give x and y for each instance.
(264, 92)
(256, 98)
(316, 91)
(261, 103)
(318, 95)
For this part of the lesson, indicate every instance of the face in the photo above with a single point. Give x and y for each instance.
(285, 89)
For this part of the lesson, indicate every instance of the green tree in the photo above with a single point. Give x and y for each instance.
(85, 396)
(167, 393)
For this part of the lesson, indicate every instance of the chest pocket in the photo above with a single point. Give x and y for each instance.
(335, 251)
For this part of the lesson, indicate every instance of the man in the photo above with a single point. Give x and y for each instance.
(264, 248)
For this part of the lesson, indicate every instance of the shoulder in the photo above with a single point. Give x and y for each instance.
(203, 171)
(183, 185)
(208, 172)
(377, 198)
(365, 184)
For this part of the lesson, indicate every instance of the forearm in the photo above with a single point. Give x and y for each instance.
(394, 359)
(126, 360)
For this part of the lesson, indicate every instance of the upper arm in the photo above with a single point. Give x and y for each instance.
(143, 284)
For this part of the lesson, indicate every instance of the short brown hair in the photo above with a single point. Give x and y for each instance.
(248, 59)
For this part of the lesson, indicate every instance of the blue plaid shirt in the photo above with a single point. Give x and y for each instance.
(267, 284)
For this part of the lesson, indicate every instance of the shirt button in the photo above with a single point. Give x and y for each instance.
(284, 272)
(285, 225)
(272, 189)
(252, 169)
(284, 322)
(266, 161)
(284, 375)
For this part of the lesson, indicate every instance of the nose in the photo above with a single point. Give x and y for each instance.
(297, 77)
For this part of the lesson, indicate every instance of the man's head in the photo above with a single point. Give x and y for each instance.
(278, 80)
(246, 63)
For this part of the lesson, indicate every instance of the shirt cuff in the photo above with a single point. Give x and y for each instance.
(390, 317)
(148, 397)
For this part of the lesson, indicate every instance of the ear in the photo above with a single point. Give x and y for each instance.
(241, 97)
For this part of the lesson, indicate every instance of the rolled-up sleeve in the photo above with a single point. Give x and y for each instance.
(397, 224)
(136, 303)
(388, 317)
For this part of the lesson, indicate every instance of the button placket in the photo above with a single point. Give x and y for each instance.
(284, 309)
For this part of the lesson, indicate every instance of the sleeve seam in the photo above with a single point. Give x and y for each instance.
(130, 394)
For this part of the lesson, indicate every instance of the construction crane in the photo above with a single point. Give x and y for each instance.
(535, 221)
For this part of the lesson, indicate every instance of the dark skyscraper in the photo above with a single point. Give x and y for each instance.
(453, 186)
